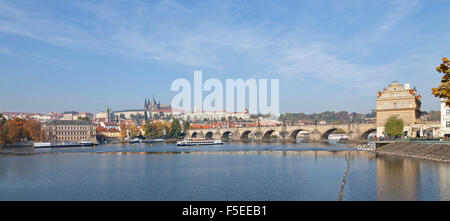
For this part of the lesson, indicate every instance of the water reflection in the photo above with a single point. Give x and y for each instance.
(280, 171)
(397, 178)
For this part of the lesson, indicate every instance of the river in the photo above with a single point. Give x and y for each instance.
(233, 171)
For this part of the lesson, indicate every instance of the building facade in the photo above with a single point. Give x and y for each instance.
(154, 110)
(70, 115)
(445, 121)
(214, 115)
(69, 130)
(399, 101)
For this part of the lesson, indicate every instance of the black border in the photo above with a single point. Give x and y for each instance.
(298, 210)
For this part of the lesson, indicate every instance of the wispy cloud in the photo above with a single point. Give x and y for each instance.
(34, 57)
(398, 10)
(169, 32)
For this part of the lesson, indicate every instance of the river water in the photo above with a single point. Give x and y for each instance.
(233, 171)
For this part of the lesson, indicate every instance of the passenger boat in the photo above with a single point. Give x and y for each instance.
(62, 144)
(198, 141)
(153, 141)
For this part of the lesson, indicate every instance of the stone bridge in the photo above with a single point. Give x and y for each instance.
(356, 132)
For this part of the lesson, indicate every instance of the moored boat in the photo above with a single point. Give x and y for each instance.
(135, 140)
(42, 144)
(56, 144)
(87, 143)
(198, 141)
(153, 141)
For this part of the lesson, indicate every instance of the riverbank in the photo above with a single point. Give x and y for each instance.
(433, 151)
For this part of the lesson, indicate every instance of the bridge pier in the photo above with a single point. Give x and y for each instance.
(316, 136)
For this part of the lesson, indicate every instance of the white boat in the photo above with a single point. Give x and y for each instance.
(153, 141)
(135, 140)
(337, 136)
(56, 144)
(63, 144)
(198, 141)
(42, 144)
(87, 143)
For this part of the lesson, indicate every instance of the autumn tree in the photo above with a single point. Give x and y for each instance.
(394, 127)
(167, 127)
(15, 130)
(123, 131)
(157, 129)
(32, 129)
(134, 131)
(443, 90)
(3, 136)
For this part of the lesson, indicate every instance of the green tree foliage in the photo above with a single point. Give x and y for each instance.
(84, 119)
(443, 90)
(155, 129)
(2, 119)
(187, 125)
(176, 128)
(394, 127)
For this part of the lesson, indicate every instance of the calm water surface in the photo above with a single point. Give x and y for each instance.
(234, 171)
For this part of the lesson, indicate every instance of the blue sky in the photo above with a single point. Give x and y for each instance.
(328, 55)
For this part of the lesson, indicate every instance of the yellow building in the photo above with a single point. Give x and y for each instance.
(400, 101)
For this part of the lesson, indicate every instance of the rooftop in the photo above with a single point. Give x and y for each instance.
(69, 122)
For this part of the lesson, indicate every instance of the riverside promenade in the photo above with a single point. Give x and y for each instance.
(437, 151)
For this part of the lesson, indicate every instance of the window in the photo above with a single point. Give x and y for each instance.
(447, 123)
(447, 111)
(395, 105)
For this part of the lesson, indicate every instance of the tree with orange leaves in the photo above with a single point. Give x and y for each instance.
(15, 130)
(32, 129)
(443, 91)
(123, 131)
(3, 136)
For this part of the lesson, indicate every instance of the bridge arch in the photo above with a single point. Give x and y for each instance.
(365, 135)
(244, 135)
(209, 135)
(194, 135)
(327, 133)
(267, 134)
(227, 135)
(293, 134)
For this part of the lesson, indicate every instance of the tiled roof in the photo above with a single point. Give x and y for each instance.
(69, 122)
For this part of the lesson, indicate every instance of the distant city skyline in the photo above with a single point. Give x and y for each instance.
(58, 56)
